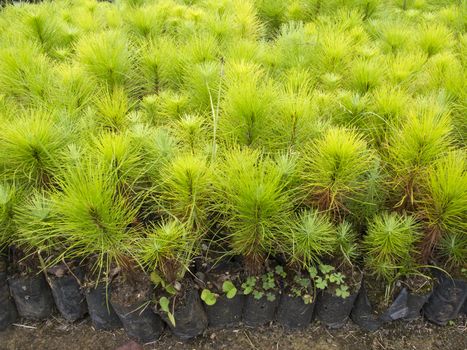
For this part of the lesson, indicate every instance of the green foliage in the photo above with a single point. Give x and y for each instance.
(443, 203)
(255, 204)
(453, 249)
(8, 199)
(106, 56)
(93, 216)
(334, 169)
(414, 146)
(348, 249)
(187, 189)
(150, 131)
(31, 146)
(164, 304)
(229, 289)
(208, 297)
(34, 222)
(25, 74)
(248, 105)
(261, 286)
(312, 238)
(167, 249)
(390, 244)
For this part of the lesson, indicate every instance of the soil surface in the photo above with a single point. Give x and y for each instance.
(56, 334)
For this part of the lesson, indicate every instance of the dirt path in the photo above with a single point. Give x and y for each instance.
(419, 335)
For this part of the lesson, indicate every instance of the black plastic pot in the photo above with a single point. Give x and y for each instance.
(102, 314)
(446, 301)
(8, 313)
(225, 312)
(139, 322)
(415, 304)
(32, 296)
(398, 309)
(68, 295)
(293, 313)
(362, 312)
(258, 312)
(334, 311)
(190, 317)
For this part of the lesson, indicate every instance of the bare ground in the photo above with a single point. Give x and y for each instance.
(55, 334)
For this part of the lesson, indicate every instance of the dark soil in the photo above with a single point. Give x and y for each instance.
(418, 284)
(56, 334)
(128, 292)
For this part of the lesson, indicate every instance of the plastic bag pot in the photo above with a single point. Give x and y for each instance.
(32, 296)
(68, 295)
(446, 301)
(334, 311)
(8, 313)
(225, 312)
(190, 317)
(139, 322)
(362, 312)
(293, 313)
(258, 312)
(398, 309)
(103, 316)
(415, 303)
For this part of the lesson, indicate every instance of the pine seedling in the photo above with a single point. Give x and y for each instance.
(452, 248)
(248, 105)
(296, 124)
(395, 37)
(333, 52)
(143, 22)
(47, 30)
(247, 24)
(166, 107)
(191, 132)
(347, 247)
(34, 219)
(255, 206)
(94, 217)
(353, 109)
(443, 201)
(107, 56)
(112, 109)
(413, 146)
(293, 45)
(312, 237)
(25, 74)
(334, 170)
(161, 65)
(390, 244)
(31, 145)
(73, 89)
(434, 39)
(121, 154)
(272, 13)
(366, 74)
(166, 250)
(9, 196)
(203, 84)
(200, 48)
(187, 190)
(403, 67)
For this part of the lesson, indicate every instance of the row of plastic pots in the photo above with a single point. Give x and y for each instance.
(31, 297)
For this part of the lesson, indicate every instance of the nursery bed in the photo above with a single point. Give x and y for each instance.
(418, 335)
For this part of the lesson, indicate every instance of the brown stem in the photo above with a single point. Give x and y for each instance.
(169, 270)
(254, 264)
(429, 242)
